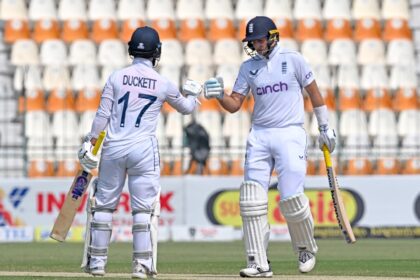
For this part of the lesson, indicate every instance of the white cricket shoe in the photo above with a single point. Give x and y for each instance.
(255, 271)
(306, 261)
(97, 271)
(141, 272)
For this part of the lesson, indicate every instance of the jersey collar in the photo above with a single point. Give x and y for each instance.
(143, 61)
(274, 51)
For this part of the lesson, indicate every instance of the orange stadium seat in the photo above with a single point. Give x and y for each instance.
(104, 29)
(16, 29)
(378, 98)
(40, 168)
(33, 101)
(310, 167)
(367, 29)
(387, 166)
(46, 29)
(357, 166)
(338, 29)
(396, 29)
(87, 99)
(60, 99)
(74, 29)
(221, 28)
(309, 29)
(172, 167)
(67, 168)
(165, 27)
(411, 166)
(285, 27)
(241, 29)
(191, 29)
(405, 99)
(236, 167)
(329, 98)
(348, 99)
(127, 28)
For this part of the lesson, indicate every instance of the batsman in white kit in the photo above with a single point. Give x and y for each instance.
(277, 140)
(129, 110)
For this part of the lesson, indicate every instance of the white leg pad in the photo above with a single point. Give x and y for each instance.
(101, 229)
(299, 219)
(145, 234)
(90, 205)
(254, 204)
(154, 223)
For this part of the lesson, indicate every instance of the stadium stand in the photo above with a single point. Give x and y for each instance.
(57, 54)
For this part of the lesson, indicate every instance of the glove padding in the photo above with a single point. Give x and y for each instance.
(326, 137)
(191, 87)
(214, 88)
(87, 159)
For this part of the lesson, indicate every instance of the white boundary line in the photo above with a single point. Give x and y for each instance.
(186, 276)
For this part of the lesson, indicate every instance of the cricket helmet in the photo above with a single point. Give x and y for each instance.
(145, 42)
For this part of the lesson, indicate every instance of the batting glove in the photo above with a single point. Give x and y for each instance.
(191, 87)
(87, 159)
(326, 137)
(214, 88)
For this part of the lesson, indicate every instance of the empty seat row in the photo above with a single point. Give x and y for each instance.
(184, 9)
(190, 29)
(201, 51)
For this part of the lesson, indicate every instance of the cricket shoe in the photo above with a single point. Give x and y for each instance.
(141, 272)
(96, 271)
(255, 271)
(306, 261)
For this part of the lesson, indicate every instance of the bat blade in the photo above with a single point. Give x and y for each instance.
(73, 199)
(71, 204)
(339, 208)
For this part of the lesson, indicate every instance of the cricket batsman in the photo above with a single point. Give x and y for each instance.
(277, 140)
(129, 110)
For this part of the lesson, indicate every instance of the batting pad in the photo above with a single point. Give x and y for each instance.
(154, 223)
(253, 202)
(300, 222)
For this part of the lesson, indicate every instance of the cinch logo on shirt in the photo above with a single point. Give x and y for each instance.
(280, 86)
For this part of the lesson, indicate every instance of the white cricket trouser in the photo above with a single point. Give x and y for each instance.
(143, 170)
(281, 148)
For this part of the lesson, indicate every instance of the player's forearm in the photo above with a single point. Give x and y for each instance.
(231, 103)
(184, 105)
(315, 95)
(320, 109)
(102, 116)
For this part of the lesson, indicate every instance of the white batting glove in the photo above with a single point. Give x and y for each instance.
(326, 137)
(214, 88)
(87, 160)
(191, 87)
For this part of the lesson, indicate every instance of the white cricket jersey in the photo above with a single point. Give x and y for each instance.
(276, 84)
(138, 93)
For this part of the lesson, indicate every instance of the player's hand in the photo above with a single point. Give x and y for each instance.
(327, 137)
(214, 88)
(191, 87)
(87, 159)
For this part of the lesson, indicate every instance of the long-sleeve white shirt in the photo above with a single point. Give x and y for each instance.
(130, 106)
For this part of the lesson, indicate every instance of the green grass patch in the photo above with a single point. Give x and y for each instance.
(375, 257)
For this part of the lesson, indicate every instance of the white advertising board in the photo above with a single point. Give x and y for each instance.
(374, 201)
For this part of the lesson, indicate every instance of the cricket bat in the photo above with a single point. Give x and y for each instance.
(73, 199)
(340, 210)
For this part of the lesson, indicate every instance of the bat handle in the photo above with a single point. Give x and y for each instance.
(98, 143)
(327, 156)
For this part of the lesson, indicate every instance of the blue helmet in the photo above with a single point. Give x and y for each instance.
(260, 27)
(145, 43)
